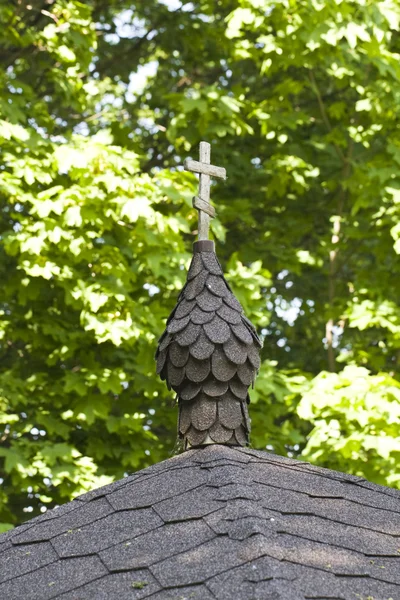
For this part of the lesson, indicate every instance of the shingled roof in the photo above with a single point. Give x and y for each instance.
(213, 523)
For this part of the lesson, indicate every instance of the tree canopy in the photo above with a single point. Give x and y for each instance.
(101, 102)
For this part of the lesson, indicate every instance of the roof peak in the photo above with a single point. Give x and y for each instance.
(214, 522)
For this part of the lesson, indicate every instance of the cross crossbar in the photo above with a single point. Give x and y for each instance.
(204, 168)
(202, 202)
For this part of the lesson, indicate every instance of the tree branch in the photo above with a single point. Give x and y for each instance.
(324, 114)
(333, 254)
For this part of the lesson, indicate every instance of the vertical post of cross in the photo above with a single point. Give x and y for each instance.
(204, 191)
(202, 201)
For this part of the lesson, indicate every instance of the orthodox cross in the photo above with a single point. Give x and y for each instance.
(202, 202)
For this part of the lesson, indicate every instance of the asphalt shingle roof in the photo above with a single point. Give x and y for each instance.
(213, 523)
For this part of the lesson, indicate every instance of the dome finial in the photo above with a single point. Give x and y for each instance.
(209, 352)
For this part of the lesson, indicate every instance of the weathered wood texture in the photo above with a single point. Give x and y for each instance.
(200, 167)
(202, 201)
(204, 206)
(204, 191)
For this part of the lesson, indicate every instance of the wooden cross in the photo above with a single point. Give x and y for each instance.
(202, 201)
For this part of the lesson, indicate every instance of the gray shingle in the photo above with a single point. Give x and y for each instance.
(110, 530)
(208, 302)
(236, 491)
(222, 368)
(179, 355)
(156, 545)
(343, 511)
(206, 560)
(188, 335)
(20, 560)
(107, 489)
(195, 266)
(215, 388)
(285, 476)
(217, 330)
(184, 308)
(235, 351)
(175, 374)
(145, 493)
(394, 492)
(246, 373)
(197, 370)
(160, 361)
(176, 325)
(54, 579)
(221, 454)
(194, 287)
(220, 434)
(230, 411)
(55, 513)
(242, 333)
(203, 414)
(217, 285)
(369, 542)
(46, 529)
(164, 341)
(241, 431)
(238, 389)
(190, 390)
(5, 545)
(202, 348)
(232, 302)
(236, 509)
(196, 436)
(131, 585)
(229, 314)
(199, 317)
(192, 505)
(185, 416)
(386, 569)
(244, 581)
(253, 356)
(318, 584)
(211, 263)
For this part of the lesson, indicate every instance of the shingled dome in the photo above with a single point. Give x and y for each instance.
(213, 523)
(209, 354)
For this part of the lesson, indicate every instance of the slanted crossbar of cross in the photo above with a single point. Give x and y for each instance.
(202, 201)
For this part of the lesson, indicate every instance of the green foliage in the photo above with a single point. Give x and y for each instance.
(356, 418)
(101, 103)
